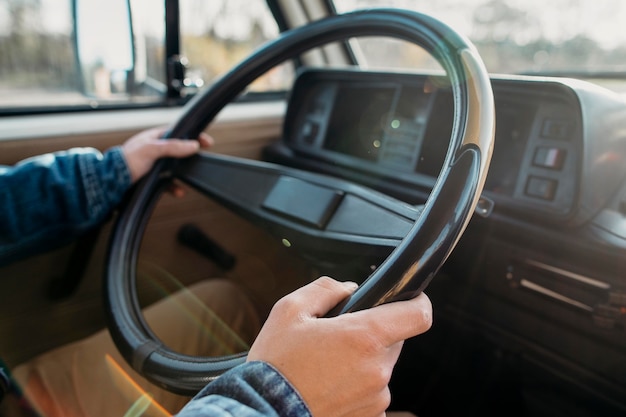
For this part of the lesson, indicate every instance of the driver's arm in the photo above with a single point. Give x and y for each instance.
(302, 364)
(51, 199)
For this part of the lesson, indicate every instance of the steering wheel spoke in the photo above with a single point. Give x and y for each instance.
(322, 216)
(313, 213)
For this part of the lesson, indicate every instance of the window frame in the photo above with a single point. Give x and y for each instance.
(173, 97)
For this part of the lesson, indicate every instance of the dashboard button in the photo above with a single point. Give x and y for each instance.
(309, 132)
(543, 188)
(552, 158)
(555, 129)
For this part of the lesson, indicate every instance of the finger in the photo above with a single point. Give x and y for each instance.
(177, 148)
(159, 130)
(176, 190)
(399, 320)
(395, 350)
(318, 297)
(205, 140)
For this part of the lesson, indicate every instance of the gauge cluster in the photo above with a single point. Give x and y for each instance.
(392, 131)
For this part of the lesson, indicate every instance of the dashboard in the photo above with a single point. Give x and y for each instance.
(541, 274)
(397, 126)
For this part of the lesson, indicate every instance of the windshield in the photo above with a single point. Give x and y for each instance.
(580, 38)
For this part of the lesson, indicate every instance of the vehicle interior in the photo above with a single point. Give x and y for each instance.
(529, 304)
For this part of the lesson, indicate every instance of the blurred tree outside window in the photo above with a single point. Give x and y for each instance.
(39, 62)
(574, 38)
(218, 34)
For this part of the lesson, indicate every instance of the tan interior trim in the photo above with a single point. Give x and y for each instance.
(298, 13)
(84, 123)
(334, 54)
(241, 129)
(296, 16)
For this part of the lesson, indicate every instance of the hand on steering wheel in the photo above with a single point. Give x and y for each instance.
(411, 265)
(358, 350)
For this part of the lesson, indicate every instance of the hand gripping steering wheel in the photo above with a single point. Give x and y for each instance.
(432, 233)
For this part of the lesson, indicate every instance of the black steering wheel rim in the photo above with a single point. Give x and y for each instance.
(410, 266)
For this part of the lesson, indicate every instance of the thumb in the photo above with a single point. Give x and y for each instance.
(321, 295)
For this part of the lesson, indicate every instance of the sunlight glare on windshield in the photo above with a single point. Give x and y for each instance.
(530, 36)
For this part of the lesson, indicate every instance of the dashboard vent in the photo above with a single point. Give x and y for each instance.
(605, 305)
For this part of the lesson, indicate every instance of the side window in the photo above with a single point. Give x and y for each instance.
(37, 67)
(216, 35)
(65, 54)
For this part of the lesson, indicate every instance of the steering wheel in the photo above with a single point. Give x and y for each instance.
(420, 240)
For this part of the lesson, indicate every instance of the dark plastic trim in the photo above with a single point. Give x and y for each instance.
(412, 264)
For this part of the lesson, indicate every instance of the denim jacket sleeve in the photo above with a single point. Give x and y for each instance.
(254, 389)
(48, 200)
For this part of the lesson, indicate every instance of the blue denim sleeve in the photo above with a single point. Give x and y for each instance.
(254, 389)
(49, 200)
